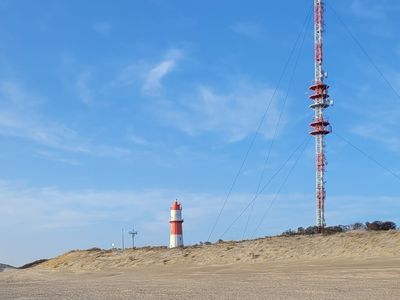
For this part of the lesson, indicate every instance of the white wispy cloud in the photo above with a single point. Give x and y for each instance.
(47, 211)
(235, 112)
(51, 208)
(20, 118)
(248, 29)
(377, 123)
(137, 139)
(103, 28)
(380, 133)
(397, 50)
(13, 94)
(368, 9)
(49, 134)
(375, 16)
(148, 75)
(373, 120)
(86, 217)
(54, 156)
(154, 76)
(83, 90)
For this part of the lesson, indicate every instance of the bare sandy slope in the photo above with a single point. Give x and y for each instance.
(355, 265)
(358, 245)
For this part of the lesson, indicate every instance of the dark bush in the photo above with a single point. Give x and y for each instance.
(95, 249)
(357, 226)
(312, 230)
(33, 264)
(379, 225)
(389, 225)
(335, 229)
(302, 231)
(376, 226)
(290, 232)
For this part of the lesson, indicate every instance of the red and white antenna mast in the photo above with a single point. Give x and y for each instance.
(320, 126)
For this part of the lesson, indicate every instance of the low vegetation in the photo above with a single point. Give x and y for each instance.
(4, 266)
(33, 264)
(373, 226)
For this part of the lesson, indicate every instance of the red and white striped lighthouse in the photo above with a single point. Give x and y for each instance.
(176, 237)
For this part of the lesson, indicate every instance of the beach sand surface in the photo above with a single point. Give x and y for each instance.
(353, 265)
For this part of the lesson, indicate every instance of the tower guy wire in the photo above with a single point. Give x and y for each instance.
(265, 186)
(364, 51)
(279, 189)
(291, 79)
(378, 163)
(259, 127)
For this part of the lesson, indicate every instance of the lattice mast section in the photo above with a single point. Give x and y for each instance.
(320, 126)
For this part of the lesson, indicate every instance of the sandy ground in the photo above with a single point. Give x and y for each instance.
(345, 266)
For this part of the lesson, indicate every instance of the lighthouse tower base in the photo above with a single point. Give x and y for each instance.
(176, 241)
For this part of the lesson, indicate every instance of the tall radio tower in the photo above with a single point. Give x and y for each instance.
(320, 126)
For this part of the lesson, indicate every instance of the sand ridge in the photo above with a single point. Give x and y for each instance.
(358, 245)
(353, 265)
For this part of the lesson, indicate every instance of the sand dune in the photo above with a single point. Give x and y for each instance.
(353, 265)
(358, 245)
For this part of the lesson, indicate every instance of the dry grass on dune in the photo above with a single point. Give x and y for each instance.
(354, 244)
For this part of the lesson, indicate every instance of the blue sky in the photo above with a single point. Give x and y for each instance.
(109, 111)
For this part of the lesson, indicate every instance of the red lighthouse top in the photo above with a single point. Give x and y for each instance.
(176, 205)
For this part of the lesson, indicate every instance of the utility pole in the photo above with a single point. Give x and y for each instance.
(320, 126)
(133, 233)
